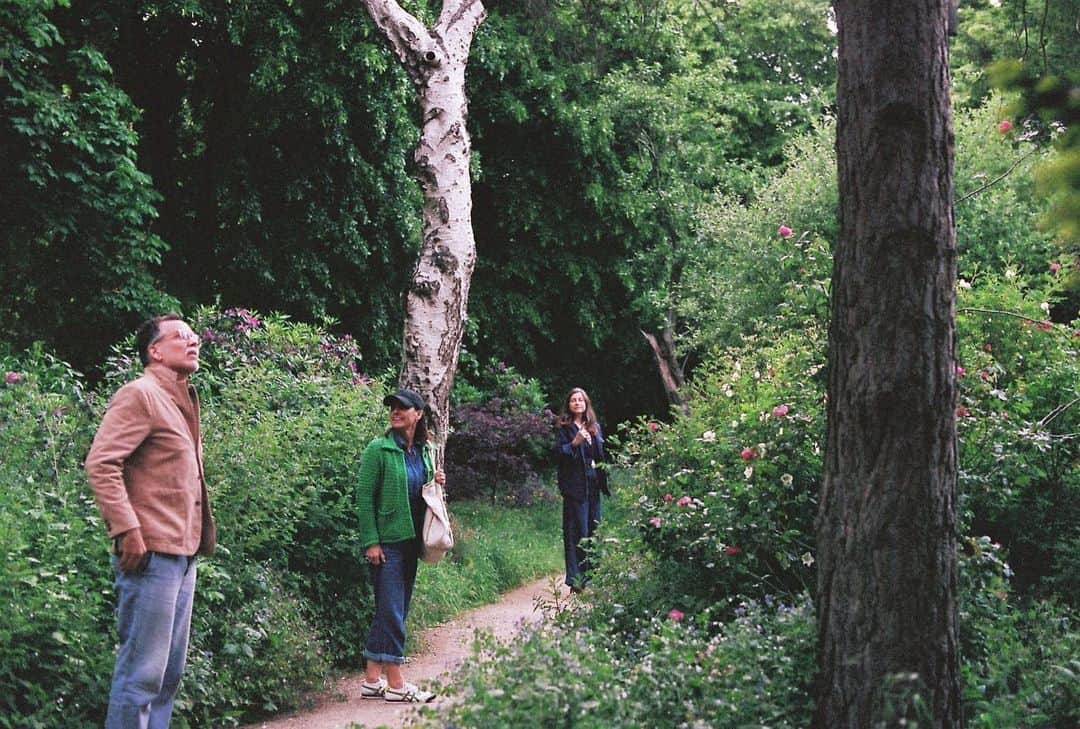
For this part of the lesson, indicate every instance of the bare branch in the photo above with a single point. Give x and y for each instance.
(999, 178)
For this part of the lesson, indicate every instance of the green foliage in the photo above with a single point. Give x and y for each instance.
(1018, 661)
(730, 489)
(55, 643)
(600, 128)
(78, 208)
(754, 670)
(1018, 415)
(720, 501)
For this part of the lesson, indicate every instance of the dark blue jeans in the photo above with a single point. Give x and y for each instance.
(393, 581)
(579, 521)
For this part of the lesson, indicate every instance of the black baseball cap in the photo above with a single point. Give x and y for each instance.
(406, 397)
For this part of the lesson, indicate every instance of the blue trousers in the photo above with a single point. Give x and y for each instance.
(393, 581)
(153, 618)
(579, 520)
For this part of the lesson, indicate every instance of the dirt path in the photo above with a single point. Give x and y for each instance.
(444, 647)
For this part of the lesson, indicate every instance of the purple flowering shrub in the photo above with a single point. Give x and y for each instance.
(500, 434)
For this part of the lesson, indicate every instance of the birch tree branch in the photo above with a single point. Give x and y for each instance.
(411, 42)
(460, 18)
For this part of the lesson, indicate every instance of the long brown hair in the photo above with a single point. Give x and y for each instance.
(566, 417)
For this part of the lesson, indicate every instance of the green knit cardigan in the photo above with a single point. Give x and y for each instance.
(382, 495)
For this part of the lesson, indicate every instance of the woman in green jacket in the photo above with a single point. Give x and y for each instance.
(393, 470)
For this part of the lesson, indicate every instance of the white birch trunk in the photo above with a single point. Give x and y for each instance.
(436, 303)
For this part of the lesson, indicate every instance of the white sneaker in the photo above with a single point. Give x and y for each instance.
(408, 693)
(375, 690)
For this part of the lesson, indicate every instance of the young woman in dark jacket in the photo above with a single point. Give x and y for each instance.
(579, 447)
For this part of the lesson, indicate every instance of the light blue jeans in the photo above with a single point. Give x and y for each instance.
(153, 618)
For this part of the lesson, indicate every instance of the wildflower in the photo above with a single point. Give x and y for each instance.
(780, 411)
(655, 521)
(1055, 267)
(748, 472)
(807, 559)
(963, 283)
(784, 231)
(709, 436)
(984, 375)
(668, 497)
(732, 551)
(685, 501)
(748, 454)
(962, 412)
(960, 371)
(654, 426)
(676, 614)
(1004, 126)
(12, 378)
(787, 479)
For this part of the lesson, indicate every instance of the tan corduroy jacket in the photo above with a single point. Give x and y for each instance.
(145, 466)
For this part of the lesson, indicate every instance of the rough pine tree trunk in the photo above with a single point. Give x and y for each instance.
(437, 300)
(886, 528)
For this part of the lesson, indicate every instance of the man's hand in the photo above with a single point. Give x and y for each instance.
(132, 551)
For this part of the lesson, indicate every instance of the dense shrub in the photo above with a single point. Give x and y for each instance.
(496, 454)
(285, 417)
(56, 643)
(500, 438)
(754, 670)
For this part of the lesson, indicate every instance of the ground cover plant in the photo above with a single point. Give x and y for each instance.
(286, 413)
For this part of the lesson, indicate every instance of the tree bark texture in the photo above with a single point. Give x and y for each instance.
(437, 301)
(886, 527)
(662, 345)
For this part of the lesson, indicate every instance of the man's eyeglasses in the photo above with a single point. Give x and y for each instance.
(184, 335)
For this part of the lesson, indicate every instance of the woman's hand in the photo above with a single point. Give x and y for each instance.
(581, 436)
(440, 478)
(374, 554)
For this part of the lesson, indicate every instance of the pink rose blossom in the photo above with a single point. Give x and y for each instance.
(655, 521)
(780, 411)
(12, 377)
(1044, 326)
(732, 551)
(668, 497)
(960, 371)
(684, 501)
(1004, 126)
(676, 614)
(654, 426)
(1055, 267)
(748, 454)
(785, 232)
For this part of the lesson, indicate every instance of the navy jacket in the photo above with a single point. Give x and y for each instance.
(573, 461)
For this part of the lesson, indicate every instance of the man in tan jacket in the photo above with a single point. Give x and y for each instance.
(145, 467)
